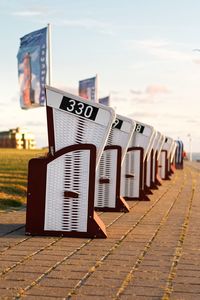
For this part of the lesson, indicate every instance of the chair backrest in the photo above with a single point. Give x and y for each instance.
(173, 151)
(142, 136)
(160, 145)
(132, 173)
(109, 169)
(74, 120)
(151, 144)
(156, 142)
(168, 145)
(149, 160)
(121, 133)
(157, 146)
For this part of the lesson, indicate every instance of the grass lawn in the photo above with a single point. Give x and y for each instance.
(13, 176)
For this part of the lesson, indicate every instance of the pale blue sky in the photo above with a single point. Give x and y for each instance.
(141, 50)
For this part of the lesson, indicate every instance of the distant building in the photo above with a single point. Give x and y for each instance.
(17, 138)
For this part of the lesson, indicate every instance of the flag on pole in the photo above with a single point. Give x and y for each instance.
(105, 100)
(88, 88)
(32, 68)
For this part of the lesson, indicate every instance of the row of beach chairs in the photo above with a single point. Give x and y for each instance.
(97, 161)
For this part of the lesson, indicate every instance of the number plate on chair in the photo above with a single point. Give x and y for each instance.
(79, 108)
(139, 128)
(117, 124)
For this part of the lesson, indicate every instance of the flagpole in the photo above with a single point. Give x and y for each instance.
(49, 54)
(96, 88)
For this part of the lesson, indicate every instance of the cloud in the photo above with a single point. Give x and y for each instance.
(196, 61)
(15, 98)
(196, 55)
(161, 49)
(143, 114)
(90, 24)
(136, 92)
(119, 99)
(113, 92)
(27, 13)
(3, 104)
(163, 118)
(169, 54)
(192, 121)
(152, 44)
(148, 95)
(142, 99)
(155, 89)
(34, 11)
(67, 89)
(172, 115)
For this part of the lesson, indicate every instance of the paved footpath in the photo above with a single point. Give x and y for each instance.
(152, 252)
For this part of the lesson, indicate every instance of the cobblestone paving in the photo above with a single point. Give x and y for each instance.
(152, 252)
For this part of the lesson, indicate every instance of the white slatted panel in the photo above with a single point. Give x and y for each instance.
(69, 172)
(148, 175)
(149, 158)
(162, 168)
(154, 169)
(157, 142)
(137, 171)
(142, 139)
(151, 144)
(77, 131)
(160, 145)
(121, 137)
(131, 165)
(173, 151)
(128, 169)
(156, 147)
(123, 179)
(105, 193)
(72, 126)
(168, 145)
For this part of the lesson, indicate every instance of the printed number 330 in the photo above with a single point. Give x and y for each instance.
(79, 107)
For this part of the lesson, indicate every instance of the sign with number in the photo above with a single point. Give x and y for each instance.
(79, 108)
(117, 124)
(139, 128)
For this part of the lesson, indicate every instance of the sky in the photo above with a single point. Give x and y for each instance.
(144, 52)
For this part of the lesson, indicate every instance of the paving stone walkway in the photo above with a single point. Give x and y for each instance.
(152, 252)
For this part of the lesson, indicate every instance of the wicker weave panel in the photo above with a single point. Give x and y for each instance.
(130, 186)
(105, 195)
(69, 172)
(70, 130)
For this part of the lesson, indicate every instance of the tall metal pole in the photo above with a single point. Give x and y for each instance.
(96, 89)
(49, 54)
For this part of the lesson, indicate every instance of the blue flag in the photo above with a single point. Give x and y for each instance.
(88, 88)
(32, 68)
